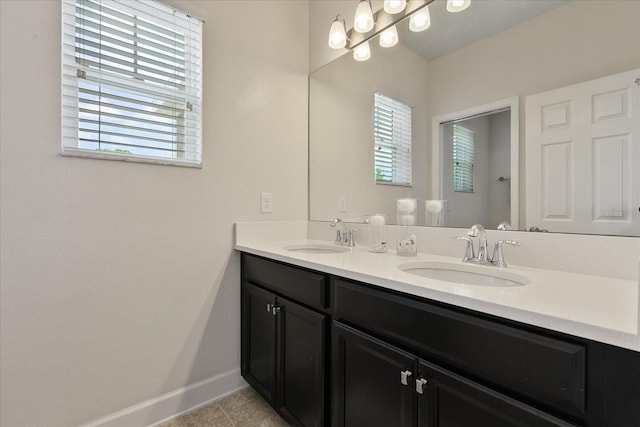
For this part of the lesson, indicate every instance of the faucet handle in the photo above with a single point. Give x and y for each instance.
(348, 241)
(498, 256)
(469, 253)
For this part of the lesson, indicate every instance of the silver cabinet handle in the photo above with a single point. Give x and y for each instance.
(421, 385)
(404, 377)
(269, 308)
(275, 310)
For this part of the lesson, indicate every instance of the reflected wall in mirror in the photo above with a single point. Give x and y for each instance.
(567, 43)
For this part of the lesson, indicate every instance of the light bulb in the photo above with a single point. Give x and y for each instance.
(457, 5)
(362, 52)
(337, 34)
(420, 21)
(394, 6)
(389, 37)
(363, 21)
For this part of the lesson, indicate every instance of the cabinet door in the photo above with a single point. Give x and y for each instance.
(301, 361)
(374, 383)
(258, 356)
(449, 400)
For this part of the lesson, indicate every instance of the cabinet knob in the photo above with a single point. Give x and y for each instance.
(404, 377)
(273, 309)
(421, 384)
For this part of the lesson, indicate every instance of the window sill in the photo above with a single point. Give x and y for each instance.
(101, 155)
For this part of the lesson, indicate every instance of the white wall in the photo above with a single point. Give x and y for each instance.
(119, 281)
(499, 166)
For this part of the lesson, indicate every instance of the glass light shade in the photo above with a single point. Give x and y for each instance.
(457, 5)
(389, 37)
(394, 6)
(362, 52)
(420, 21)
(363, 21)
(337, 35)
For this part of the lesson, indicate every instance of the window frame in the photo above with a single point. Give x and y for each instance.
(181, 129)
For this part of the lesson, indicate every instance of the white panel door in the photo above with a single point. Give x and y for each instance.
(583, 157)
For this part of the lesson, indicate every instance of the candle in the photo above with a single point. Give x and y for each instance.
(407, 219)
(377, 220)
(434, 206)
(406, 205)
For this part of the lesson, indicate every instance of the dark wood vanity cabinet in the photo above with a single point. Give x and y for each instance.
(369, 356)
(283, 342)
(409, 391)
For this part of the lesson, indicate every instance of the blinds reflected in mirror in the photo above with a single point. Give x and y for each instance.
(463, 159)
(392, 141)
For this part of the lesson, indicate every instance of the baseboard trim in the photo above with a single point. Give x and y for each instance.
(175, 403)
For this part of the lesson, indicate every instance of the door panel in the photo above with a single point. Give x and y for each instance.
(367, 382)
(450, 400)
(583, 157)
(259, 340)
(301, 364)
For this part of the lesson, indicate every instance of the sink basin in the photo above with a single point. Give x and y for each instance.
(318, 248)
(466, 274)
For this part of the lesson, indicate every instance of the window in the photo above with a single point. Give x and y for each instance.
(131, 82)
(392, 141)
(463, 159)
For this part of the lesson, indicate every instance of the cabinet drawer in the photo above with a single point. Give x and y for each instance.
(545, 369)
(295, 283)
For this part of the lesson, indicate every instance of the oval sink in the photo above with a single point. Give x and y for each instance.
(318, 248)
(466, 274)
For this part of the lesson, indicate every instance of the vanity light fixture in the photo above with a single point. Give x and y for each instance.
(457, 5)
(389, 37)
(338, 33)
(363, 21)
(420, 21)
(366, 25)
(394, 6)
(362, 52)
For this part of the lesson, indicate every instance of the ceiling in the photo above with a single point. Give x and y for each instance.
(451, 31)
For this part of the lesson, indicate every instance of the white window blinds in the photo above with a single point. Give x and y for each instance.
(392, 141)
(463, 159)
(132, 84)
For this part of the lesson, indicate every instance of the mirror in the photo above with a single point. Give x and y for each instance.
(494, 50)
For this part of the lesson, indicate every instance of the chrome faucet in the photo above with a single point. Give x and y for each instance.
(478, 231)
(344, 237)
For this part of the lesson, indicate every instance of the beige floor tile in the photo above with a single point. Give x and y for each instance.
(209, 416)
(242, 409)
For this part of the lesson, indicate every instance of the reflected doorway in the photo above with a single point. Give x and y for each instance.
(476, 165)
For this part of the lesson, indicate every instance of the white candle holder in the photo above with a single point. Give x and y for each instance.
(407, 211)
(434, 212)
(377, 234)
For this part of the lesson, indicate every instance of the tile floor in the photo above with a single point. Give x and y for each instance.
(242, 409)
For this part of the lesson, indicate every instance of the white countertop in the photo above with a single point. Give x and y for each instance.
(598, 308)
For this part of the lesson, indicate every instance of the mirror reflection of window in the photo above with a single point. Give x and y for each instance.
(463, 159)
(392, 141)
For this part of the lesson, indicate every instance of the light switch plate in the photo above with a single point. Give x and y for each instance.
(342, 203)
(266, 202)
